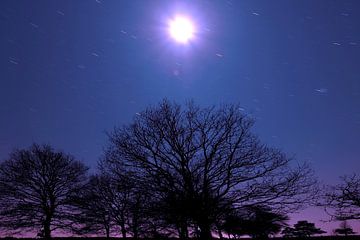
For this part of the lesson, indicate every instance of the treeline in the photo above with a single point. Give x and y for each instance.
(353, 237)
(175, 171)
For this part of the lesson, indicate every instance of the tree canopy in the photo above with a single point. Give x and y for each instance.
(37, 185)
(209, 157)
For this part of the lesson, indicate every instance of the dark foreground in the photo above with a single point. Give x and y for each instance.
(353, 237)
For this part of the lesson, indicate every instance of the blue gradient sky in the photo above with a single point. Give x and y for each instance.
(71, 70)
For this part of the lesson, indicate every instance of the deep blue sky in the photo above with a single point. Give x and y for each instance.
(71, 70)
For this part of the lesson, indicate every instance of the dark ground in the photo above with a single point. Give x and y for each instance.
(353, 237)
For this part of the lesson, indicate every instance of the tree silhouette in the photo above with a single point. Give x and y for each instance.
(256, 221)
(131, 203)
(302, 229)
(105, 204)
(122, 191)
(210, 156)
(36, 187)
(262, 222)
(94, 202)
(234, 225)
(343, 200)
(288, 232)
(345, 229)
(173, 207)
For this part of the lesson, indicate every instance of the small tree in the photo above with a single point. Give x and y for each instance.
(302, 229)
(343, 200)
(94, 202)
(256, 221)
(262, 222)
(288, 232)
(174, 210)
(121, 189)
(130, 201)
(345, 229)
(233, 225)
(37, 185)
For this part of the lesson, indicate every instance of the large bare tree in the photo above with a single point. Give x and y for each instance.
(209, 156)
(36, 187)
(343, 200)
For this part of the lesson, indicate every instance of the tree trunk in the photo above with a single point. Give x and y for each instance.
(205, 232)
(47, 230)
(136, 235)
(183, 231)
(220, 233)
(121, 223)
(123, 230)
(107, 229)
(135, 228)
(136, 218)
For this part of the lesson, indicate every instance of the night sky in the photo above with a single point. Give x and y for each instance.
(72, 70)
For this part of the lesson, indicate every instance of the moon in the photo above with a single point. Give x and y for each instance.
(181, 29)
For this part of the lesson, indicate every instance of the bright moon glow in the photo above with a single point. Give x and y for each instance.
(181, 29)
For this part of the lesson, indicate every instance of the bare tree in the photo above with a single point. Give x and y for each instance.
(122, 190)
(94, 204)
(37, 185)
(210, 156)
(127, 196)
(343, 201)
